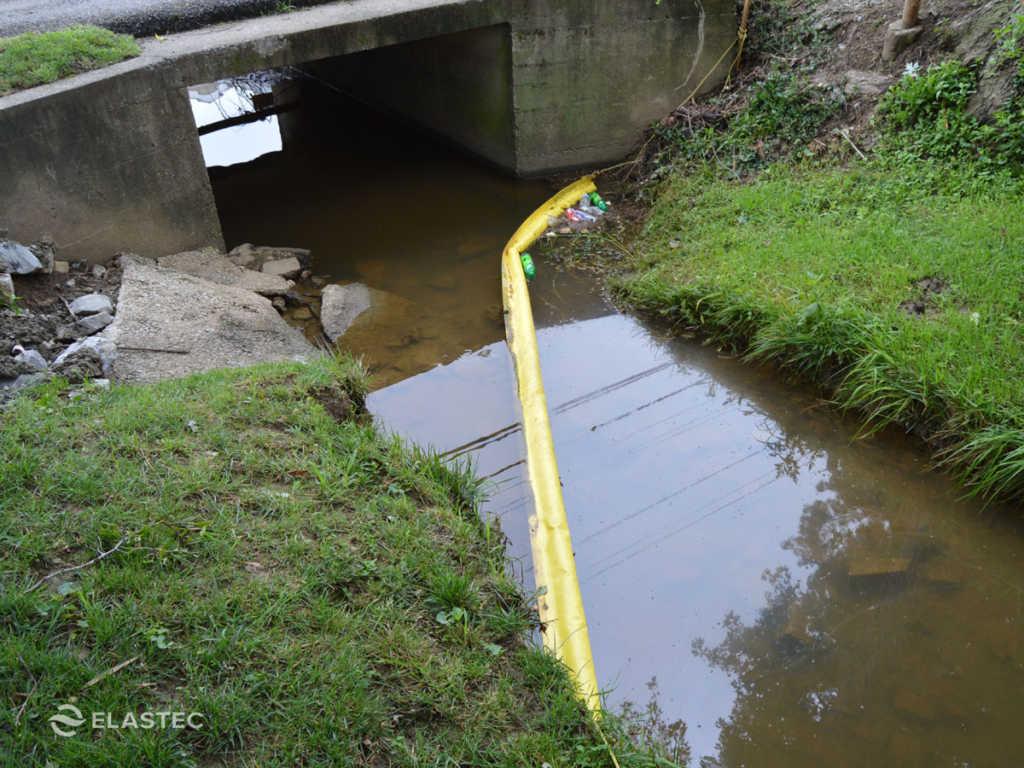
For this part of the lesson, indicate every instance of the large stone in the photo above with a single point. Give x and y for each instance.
(341, 305)
(16, 259)
(210, 264)
(172, 324)
(91, 304)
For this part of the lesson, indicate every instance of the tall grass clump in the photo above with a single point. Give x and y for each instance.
(903, 297)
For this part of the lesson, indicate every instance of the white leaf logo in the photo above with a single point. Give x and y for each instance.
(72, 720)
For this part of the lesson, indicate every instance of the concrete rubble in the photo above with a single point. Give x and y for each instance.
(141, 320)
(224, 326)
(211, 265)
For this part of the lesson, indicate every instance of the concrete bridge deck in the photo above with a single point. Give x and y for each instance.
(110, 160)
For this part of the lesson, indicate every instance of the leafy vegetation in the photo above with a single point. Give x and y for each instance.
(784, 112)
(925, 116)
(1011, 42)
(320, 594)
(35, 58)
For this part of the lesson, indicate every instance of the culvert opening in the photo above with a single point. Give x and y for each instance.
(385, 196)
(237, 118)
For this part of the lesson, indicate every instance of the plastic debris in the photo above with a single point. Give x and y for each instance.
(528, 266)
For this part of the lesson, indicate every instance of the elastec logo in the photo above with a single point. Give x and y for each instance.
(69, 718)
(67, 715)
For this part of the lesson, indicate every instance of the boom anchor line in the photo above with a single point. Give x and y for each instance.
(559, 602)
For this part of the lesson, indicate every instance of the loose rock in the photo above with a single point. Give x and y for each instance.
(255, 256)
(16, 259)
(91, 304)
(289, 267)
(86, 326)
(32, 359)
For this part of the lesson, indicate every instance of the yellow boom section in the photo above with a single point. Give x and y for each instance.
(560, 603)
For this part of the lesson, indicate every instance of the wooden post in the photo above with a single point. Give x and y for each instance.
(911, 8)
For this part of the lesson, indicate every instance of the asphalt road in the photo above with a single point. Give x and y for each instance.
(137, 17)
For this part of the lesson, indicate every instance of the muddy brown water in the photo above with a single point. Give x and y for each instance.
(801, 597)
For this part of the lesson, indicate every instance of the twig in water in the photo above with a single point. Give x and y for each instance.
(73, 568)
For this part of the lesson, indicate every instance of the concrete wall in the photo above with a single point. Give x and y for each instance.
(591, 75)
(458, 85)
(110, 160)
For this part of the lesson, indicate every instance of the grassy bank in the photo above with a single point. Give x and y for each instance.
(320, 594)
(899, 288)
(892, 276)
(35, 58)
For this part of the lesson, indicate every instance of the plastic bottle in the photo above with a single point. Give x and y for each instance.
(587, 206)
(528, 267)
(575, 214)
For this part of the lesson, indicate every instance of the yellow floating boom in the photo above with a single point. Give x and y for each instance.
(560, 603)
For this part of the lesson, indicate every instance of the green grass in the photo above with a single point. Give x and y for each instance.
(809, 268)
(35, 58)
(321, 594)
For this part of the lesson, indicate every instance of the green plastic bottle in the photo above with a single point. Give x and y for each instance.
(597, 200)
(528, 268)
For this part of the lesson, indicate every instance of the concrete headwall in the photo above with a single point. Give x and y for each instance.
(114, 165)
(590, 75)
(110, 160)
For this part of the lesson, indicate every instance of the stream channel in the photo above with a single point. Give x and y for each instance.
(796, 594)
